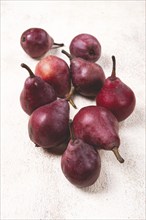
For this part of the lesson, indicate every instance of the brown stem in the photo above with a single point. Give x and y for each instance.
(31, 74)
(68, 97)
(71, 130)
(113, 75)
(67, 54)
(58, 44)
(118, 156)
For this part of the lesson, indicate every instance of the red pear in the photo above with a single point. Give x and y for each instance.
(36, 42)
(85, 46)
(87, 77)
(49, 124)
(36, 92)
(116, 96)
(80, 163)
(98, 127)
(55, 71)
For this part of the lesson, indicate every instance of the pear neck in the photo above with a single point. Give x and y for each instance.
(67, 54)
(113, 74)
(31, 74)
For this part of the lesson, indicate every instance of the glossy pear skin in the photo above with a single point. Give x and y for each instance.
(87, 77)
(117, 97)
(80, 163)
(85, 46)
(36, 42)
(55, 71)
(36, 93)
(49, 125)
(97, 126)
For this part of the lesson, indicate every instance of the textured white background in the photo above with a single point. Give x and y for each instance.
(33, 186)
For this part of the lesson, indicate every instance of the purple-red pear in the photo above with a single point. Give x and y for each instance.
(85, 46)
(36, 92)
(98, 127)
(116, 96)
(36, 42)
(49, 125)
(80, 163)
(87, 77)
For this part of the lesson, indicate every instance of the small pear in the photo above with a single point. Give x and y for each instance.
(35, 93)
(49, 125)
(116, 96)
(87, 77)
(80, 163)
(36, 42)
(85, 46)
(98, 127)
(55, 71)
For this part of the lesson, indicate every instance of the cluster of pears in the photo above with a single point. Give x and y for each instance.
(47, 95)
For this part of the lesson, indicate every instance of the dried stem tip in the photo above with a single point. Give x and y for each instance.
(118, 156)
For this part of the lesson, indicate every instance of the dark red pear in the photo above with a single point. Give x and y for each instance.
(49, 125)
(98, 127)
(35, 93)
(116, 96)
(36, 42)
(55, 71)
(87, 77)
(85, 46)
(80, 163)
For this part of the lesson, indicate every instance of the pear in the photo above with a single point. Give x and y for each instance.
(55, 71)
(87, 77)
(116, 96)
(35, 93)
(80, 163)
(48, 125)
(85, 46)
(98, 127)
(36, 42)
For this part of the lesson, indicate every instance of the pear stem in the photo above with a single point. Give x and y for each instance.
(118, 156)
(67, 54)
(31, 74)
(68, 97)
(113, 75)
(58, 44)
(71, 130)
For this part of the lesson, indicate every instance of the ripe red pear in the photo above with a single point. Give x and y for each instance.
(35, 93)
(85, 46)
(80, 163)
(55, 71)
(36, 42)
(87, 77)
(49, 125)
(116, 96)
(98, 127)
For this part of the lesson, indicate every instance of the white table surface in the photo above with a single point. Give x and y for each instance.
(32, 184)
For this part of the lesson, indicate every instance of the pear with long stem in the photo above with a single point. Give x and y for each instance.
(36, 92)
(116, 96)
